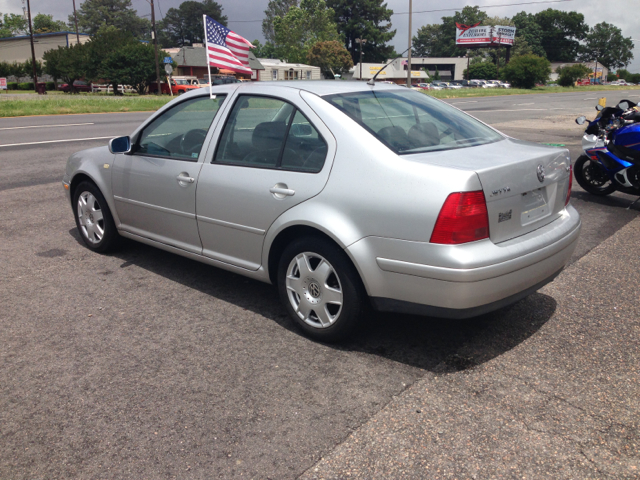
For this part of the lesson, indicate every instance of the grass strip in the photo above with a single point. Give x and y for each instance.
(497, 92)
(66, 104)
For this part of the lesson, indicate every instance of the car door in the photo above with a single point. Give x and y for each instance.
(273, 153)
(155, 186)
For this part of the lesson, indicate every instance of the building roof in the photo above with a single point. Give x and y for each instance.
(38, 35)
(197, 57)
(272, 62)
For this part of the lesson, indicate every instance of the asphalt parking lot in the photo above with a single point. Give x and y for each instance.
(143, 364)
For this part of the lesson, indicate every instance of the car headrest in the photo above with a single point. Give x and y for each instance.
(424, 135)
(268, 135)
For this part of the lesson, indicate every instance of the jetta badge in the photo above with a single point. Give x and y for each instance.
(540, 173)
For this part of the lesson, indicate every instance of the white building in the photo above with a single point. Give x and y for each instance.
(600, 70)
(422, 68)
(279, 70)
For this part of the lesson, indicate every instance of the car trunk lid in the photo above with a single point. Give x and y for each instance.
(525, 184)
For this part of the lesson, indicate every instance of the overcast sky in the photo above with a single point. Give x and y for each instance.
(245, 16)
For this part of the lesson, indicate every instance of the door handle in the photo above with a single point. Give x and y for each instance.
(185, 179)
(280, 190)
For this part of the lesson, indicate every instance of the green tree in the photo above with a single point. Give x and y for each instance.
(101, 45)
(482, 70)
(66, 63)
(528, 33)
(606, 44)
(268, 50)
(12, 25)
(96, 14)
(302, 27)
(331, 57)
(183, 25)
(561, 34)
(367, 19)
(275, 8)
(44, 23)
(132, 64)
(570, 74)
(426, 43)
(527, 70)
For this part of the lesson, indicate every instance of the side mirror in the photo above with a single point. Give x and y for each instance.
(120, 145)
(599, 108)
(581, 120)
(623, 105)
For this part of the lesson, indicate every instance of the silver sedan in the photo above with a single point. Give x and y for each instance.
(342, 194)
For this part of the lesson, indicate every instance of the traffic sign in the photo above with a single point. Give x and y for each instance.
(168, 68)
(3, 83)
(168, 60)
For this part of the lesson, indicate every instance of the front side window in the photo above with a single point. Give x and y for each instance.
(267, 132)
(411, 122)
(180, 132)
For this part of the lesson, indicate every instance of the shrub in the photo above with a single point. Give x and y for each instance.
(26, 86)
(51, 86)
(526, 70)
(481, 70)
(12, 85)
(569, 75)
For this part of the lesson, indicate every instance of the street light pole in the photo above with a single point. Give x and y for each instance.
(155, 44)
(33, 52)
(75, 19)
(409, 51)
(361, 41)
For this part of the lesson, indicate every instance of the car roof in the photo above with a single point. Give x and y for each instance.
(327, 87)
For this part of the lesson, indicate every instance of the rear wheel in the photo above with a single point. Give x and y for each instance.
(321, 289)
(591, 176)
(93, 218)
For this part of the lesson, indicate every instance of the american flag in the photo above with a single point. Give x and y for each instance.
(226, 49)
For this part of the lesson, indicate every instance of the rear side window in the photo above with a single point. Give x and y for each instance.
(180, 132)
(266, 132)
(412, 122)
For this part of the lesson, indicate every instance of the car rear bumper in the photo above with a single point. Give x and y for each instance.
(463, 280)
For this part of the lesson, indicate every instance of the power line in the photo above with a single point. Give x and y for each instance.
(484, 6)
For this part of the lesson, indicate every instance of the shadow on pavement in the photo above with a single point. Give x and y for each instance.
(438, 345)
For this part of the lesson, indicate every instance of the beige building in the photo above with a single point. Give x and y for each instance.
(279, 70)
(18, 49)
(599, 70)
(422, 68)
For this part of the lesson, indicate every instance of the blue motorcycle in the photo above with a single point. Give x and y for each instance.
(611, 144)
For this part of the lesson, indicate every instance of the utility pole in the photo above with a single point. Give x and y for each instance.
(33, 52)
(361, 41)
(75, 19)
(595, 72)
(409, 51)
(155, 45)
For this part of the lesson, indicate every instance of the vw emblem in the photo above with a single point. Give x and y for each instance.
(314, 290)
(540, 173)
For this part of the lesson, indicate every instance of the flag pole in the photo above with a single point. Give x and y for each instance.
(206, 52)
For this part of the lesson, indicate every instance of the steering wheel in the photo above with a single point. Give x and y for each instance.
(191, 142)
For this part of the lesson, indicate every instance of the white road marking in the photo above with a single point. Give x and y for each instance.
(590, 98)
(48, 126)
(55, 141)
(522, 110)
(518, 104)
(460, 103)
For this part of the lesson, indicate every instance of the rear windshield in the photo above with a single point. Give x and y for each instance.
(412, 122)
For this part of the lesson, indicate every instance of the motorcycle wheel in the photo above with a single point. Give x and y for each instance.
(591, 177)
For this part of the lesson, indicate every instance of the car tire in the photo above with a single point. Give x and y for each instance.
(591, 177)
(93, 218)
(321, 289)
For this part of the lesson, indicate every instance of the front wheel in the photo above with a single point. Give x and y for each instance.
(93, 218)
(321, 289)
(592, 177)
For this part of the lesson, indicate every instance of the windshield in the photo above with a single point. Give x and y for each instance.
(411, 122)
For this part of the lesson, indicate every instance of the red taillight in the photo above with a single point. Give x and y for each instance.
(566, 201)
(463, 218)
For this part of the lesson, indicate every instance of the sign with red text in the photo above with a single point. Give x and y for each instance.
(3, 83)
(481, 36)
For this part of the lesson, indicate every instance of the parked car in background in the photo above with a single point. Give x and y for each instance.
(438, 85)
(108, 88)
(269, 181)
(78, 86)
(503, 84)
(484, 83)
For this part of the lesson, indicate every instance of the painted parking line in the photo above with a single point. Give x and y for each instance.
(48, 126)
(56, 141)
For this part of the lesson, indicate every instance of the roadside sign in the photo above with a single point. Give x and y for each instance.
(602, 102)
(168, 60)
(168, 68)
(3, 83)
